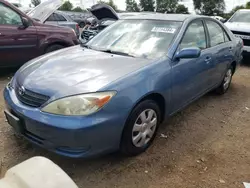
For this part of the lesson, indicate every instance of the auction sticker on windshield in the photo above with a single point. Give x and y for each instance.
(163, 30)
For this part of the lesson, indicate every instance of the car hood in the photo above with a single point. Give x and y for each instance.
(75, 70)
(238, 26)
(102, 11)
(45, 9)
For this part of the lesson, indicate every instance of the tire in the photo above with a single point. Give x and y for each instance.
(225, 84)
(131, 144)
(54, 48)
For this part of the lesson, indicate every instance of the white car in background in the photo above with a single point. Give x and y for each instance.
(239, 24)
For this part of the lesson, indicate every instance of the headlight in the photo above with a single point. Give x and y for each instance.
(83, 104)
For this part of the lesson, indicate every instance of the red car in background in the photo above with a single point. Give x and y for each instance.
(23, 38)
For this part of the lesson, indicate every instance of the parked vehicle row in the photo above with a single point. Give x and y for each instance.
(113, 92)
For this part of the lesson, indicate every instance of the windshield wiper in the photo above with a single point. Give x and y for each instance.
(117, 53)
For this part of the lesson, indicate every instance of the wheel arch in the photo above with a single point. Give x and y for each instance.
(234, 64)
(158, 98)
(62, 43)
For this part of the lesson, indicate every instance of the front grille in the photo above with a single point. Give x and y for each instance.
(246, 41)
(240, 33)
(30, 98)
(87, 34)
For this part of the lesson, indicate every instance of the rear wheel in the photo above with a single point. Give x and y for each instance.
(140, 129)
(226, 81)
(54, 47)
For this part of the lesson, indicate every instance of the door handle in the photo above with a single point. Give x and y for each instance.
(208, 59)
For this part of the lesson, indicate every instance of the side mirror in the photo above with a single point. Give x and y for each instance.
(25, 22)
(224, 20)
(188, 53)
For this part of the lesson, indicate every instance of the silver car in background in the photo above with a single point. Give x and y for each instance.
(46, 12)
(62, 19)
(239, 24)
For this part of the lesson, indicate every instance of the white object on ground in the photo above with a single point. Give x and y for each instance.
(247, 185)
(163, 136)
(37, 172)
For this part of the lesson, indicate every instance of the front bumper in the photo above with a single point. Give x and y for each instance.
(69, 136)
(246, 51)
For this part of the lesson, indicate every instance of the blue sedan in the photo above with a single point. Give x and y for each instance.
(113, 93)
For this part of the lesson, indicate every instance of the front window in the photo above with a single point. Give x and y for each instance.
(140, 38)
(8, 16)
(241, 16)
(195, 36)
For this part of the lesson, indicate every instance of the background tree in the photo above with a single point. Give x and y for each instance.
(147, 5)
(132, 6)
(166, 6)
(248, 5)
(35, 2)
(181, 9)
(210, 8)
(66, 6)
(110, 3)
(78, 9)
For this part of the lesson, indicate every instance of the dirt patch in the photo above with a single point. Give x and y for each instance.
(207, 145)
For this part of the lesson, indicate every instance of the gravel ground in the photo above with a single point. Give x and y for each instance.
(207, 145)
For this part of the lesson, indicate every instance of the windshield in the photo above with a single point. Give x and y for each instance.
(139, 38)
(241, 16)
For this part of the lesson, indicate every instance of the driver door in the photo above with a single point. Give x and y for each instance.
(191, 76)
(17, 44)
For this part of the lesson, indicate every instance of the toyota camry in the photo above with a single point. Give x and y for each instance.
(113, 93)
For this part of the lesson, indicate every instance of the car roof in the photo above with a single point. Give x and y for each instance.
(158, 16)
(244, 10)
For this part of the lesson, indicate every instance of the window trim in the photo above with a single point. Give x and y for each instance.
(4, 5)
(57, 17)
(206, 34)
(223, 29)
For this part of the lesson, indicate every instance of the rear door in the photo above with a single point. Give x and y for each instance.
(222, 48)
(191, 76)
(17, 45)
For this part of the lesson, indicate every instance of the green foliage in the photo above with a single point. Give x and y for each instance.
(110, 3)
(147, 5)
(168, 6)
(35, 2)
(77, 9)
(209, 8)
(248, 5)
(132, 6)
(235, 9)
(66, 6)
(181, 9)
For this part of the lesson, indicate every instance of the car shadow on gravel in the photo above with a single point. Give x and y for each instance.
(7, 73)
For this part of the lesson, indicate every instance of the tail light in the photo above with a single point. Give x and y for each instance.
(77, 26)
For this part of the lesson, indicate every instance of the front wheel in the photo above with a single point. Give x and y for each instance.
(140, 129)
(226, 81)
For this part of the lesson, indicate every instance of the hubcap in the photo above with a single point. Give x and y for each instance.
(227, 79)
(144, 128)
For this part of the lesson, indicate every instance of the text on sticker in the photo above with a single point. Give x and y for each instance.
(163, 30)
